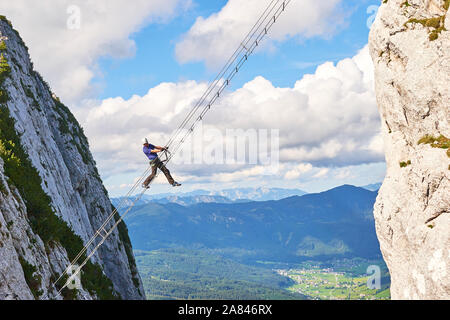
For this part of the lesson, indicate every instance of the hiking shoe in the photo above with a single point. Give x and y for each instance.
(176, 184)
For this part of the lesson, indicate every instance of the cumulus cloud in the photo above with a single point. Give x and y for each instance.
(344, 173)
(321, 173)
(327, 119)
(297, 171)
(214, 38)
(66, 37)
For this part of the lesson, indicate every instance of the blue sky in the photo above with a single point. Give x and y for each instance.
(155, 61)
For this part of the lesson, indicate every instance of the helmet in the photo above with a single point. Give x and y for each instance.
(144, 141)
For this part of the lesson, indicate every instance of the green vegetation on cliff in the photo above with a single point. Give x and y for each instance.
(23, 176)
(435, 24)
(441, 142)
(125, 239)
(4, 72)
(32, 279)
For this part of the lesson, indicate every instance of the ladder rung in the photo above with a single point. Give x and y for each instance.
(105, 235)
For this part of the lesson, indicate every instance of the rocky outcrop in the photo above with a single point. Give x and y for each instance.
(410, 47)
(52, 199)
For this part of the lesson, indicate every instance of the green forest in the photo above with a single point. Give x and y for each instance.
(198, 274)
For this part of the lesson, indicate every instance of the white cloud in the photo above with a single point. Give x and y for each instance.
(297, 171)
(214, 38)
(328, 119)
(322, 172)
(256, 171)
(343, 173)
(67, 57)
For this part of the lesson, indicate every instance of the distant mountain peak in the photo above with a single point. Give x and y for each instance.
(373, 186)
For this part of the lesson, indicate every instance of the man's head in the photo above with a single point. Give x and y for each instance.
(145, 142)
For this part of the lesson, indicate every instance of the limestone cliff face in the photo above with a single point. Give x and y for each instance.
(47, 171)
(410, 47)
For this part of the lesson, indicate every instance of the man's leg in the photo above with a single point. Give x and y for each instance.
(166, 173)
(151, 176)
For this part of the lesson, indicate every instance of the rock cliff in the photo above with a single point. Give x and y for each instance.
(51, 196)
(410, 46)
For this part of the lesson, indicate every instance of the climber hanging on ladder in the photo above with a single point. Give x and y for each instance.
(151, 152)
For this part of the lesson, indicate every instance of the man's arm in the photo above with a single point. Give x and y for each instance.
(158, 149)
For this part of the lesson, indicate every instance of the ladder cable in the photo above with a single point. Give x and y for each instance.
(264, 24)
(267, 12)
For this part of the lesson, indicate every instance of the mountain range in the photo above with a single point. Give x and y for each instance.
(226, 195)
(334, 223)
(221, 196)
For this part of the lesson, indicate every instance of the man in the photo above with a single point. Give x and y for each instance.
(151, 152)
